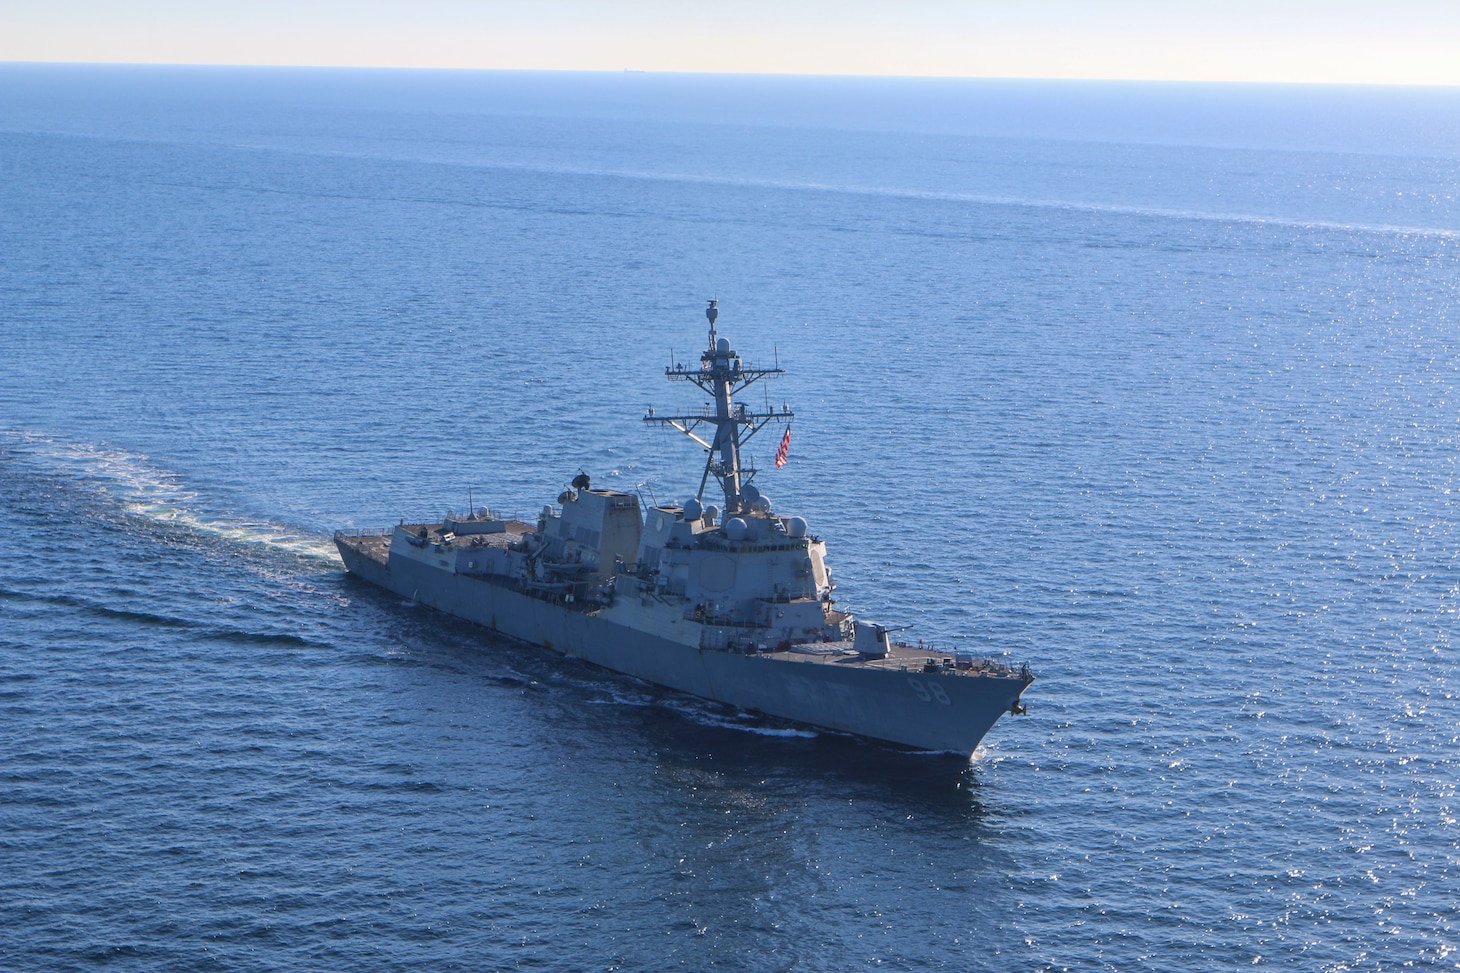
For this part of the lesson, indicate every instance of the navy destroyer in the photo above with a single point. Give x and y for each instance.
(732, 603)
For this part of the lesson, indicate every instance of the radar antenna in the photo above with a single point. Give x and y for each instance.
(722, 374)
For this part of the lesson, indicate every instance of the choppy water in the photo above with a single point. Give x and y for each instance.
(1152, 387)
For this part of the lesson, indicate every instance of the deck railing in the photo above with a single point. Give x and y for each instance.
(365, 532)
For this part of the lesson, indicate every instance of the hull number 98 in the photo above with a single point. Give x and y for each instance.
(929, 691)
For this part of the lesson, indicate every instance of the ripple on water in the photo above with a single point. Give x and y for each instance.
(1173, 423)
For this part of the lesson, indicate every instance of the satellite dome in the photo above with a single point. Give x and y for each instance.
(762, 504)
(712, 514)
(722, 345)
(736, 529)
(692, 509)
(750, 492)
(796, 526)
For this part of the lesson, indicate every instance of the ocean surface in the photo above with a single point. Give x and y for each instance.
(1154, 387)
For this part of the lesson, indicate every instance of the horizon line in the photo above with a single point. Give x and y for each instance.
(1096, 79)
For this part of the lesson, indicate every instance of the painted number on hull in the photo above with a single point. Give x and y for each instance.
(929, 691)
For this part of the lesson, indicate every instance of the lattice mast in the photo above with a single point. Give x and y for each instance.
(723, 375)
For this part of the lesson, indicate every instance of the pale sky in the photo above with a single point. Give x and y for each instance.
(1351, 41)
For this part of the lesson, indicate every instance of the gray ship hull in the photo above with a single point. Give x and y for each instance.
(903, 706)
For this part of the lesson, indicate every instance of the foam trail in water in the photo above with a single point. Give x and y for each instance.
(143, 490)
(984, 199)
(993, 199)
(697, 712)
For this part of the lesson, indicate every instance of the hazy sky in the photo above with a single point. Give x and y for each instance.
(1400, 41)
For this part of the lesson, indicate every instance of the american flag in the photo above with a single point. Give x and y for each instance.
(785, 448)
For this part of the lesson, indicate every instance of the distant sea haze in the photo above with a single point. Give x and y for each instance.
(1153, 387)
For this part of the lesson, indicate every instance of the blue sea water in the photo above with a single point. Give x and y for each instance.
(1153, 387)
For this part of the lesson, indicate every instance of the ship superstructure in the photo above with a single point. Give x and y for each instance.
(733, 603)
